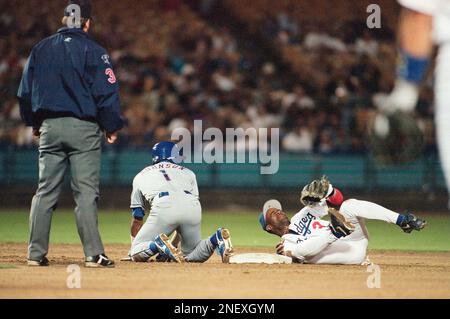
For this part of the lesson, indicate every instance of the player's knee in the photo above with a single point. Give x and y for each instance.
(350, 201)
(350, 209)
(87, 200)
(45, 190)
(350, 204)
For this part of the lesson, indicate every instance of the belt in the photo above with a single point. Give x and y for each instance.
(46, 114)
(162, 194)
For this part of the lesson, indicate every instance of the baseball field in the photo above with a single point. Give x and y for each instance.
(413, 265)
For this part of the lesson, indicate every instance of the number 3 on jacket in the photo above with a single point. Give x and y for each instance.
(112, 77)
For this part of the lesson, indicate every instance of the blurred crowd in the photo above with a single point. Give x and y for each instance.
(175, 66)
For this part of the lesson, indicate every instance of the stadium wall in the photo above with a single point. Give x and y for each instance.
(228, 186)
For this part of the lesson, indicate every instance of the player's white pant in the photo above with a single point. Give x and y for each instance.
(442, 108)
(177, 211)
(350, 249)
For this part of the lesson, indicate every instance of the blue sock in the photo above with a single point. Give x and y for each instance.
(213, 240)
(152, 247)
(400, 219)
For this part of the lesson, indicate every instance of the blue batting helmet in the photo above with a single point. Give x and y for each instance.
(166, 151)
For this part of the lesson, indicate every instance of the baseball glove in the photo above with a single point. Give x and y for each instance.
(315, 191)
(339, 226)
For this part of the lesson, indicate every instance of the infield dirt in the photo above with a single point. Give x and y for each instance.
(403, 275)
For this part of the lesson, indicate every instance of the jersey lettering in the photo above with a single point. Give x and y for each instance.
(302, 227)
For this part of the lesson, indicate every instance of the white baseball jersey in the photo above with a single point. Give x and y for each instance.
(155, 180)
(439, 9)
(308, 233)
(307, 220)
(311, 240)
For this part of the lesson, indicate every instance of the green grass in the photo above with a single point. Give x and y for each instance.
(245, 229)
(2, 266)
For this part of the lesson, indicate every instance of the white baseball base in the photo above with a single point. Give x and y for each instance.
(259, 258)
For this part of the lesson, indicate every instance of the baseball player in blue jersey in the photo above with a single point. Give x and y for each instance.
(173, 193)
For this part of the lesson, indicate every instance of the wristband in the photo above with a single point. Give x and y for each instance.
(138, 213)
(412, 68)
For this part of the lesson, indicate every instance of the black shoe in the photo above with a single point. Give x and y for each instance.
(42, 263)
(411, 223)
(99, 261)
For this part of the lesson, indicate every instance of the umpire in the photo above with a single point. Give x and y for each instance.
(69, 95)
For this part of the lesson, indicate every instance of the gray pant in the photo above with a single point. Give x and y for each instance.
(67, 142)
(178, 211)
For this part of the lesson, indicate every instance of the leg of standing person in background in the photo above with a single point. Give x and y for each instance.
(442, 113)
(52, 167)
(85, 159)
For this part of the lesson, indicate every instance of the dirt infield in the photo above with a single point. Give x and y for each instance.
(403, 275)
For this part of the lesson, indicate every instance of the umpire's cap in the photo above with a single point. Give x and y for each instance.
(85, 7)
(166, 151)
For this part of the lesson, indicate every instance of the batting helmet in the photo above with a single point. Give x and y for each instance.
(166, 151)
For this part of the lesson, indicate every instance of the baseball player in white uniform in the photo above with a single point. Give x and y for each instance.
(343, 240)
(422, 24)
(173, 193)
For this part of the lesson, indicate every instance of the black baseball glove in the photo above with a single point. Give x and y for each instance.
(339, 226)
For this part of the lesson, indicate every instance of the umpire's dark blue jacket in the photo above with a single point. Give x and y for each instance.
(70, 75)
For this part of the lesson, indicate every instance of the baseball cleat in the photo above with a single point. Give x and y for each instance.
(142, 257)
(126, 258)
(99, 261)
(175, 239)
(166, 248)
(161, 258)
(224, 247)
(411, 222)
(39, 263)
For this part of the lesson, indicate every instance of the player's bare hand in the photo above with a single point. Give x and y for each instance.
(111, 137)
(280, 248)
